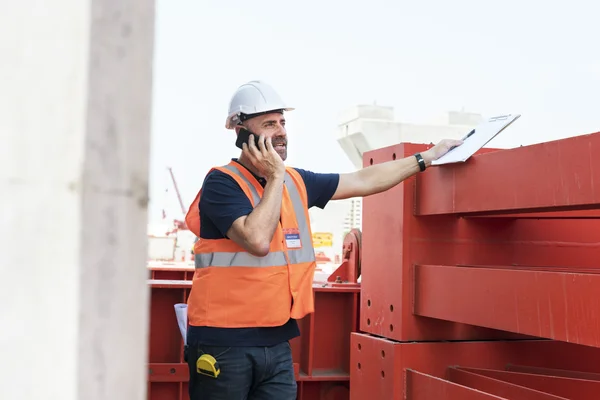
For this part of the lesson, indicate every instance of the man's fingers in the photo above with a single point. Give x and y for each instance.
(252, 147)
(246, 150)
(251, 152)
(449, 144)
(261, 144)
(269, 144)
(251, 141)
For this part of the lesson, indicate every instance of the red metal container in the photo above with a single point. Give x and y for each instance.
(171, 271)
(450, 253)
(394, 240)
(385, 369)
(167, 372)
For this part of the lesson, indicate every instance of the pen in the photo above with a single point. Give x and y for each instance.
(468, 135)
(463, 139)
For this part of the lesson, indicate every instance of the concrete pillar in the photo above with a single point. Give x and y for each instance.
(75, 104)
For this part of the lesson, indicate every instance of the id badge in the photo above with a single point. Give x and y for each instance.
(292, 238)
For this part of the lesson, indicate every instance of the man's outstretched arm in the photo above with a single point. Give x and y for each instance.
(381, 177)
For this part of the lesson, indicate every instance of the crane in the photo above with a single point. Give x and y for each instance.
(183, 210)
(177, 224)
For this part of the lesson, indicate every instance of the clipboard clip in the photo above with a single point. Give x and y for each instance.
(499, 118)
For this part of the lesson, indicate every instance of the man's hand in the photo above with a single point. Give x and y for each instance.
(264, 159)
(439, 150)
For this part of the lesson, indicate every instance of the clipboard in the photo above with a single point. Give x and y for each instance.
(476, 139)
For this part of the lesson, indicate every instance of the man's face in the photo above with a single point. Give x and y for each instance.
(273, 126)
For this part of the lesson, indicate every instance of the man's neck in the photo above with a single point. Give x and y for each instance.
(242, 160)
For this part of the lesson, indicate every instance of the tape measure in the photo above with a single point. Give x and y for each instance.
(207, 365)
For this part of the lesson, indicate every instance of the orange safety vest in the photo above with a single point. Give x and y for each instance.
(232, 288)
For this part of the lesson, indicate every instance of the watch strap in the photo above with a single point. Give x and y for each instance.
(421, 162)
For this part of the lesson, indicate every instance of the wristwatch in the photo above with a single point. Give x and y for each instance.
(421, 162)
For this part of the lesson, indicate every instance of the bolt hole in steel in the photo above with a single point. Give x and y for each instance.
(368, 303)
(172, 370)
(391, 327)
(359, 346)
(394, 156)
(358, 365)
(382, 354)
(371, 161)
(391, 308)
(368, 321)
(383, 374)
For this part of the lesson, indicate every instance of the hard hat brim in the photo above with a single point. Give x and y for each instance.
(233, 119)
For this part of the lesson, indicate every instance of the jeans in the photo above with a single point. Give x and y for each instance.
(247, 373)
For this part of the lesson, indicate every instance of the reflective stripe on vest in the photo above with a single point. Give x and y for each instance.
(306, 253)
(230, 259)
(236, 171)
(273, 259)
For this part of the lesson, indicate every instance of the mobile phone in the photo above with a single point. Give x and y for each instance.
(244, 136)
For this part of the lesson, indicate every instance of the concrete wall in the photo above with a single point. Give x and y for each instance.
(75, 104)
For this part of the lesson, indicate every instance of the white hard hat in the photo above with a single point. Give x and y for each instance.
(254, 97)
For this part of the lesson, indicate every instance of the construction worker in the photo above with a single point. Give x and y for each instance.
(254, 259)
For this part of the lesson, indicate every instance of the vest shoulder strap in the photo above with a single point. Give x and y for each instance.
(245, 181)
(249, 185)
(299, 182)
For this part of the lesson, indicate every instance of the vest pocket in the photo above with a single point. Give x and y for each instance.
(243, 297)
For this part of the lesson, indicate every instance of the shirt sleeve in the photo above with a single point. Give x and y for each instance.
(320, 188)
(223, 201)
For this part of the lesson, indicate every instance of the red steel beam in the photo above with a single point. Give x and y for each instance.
(574, 389)
(421, 386)
(317, 287)
(553, 305)
(168, 372)
(575, 214)
(554, 176)
(590, 376)
(169, 284)
(498, 387)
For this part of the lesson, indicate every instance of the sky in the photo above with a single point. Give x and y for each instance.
(539, 59)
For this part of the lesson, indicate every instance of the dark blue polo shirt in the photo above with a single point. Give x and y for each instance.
(221, 203)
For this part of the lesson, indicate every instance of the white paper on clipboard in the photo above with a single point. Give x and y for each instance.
(476, 139)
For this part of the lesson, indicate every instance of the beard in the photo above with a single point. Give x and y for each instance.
(282, 151)
(280, 146)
